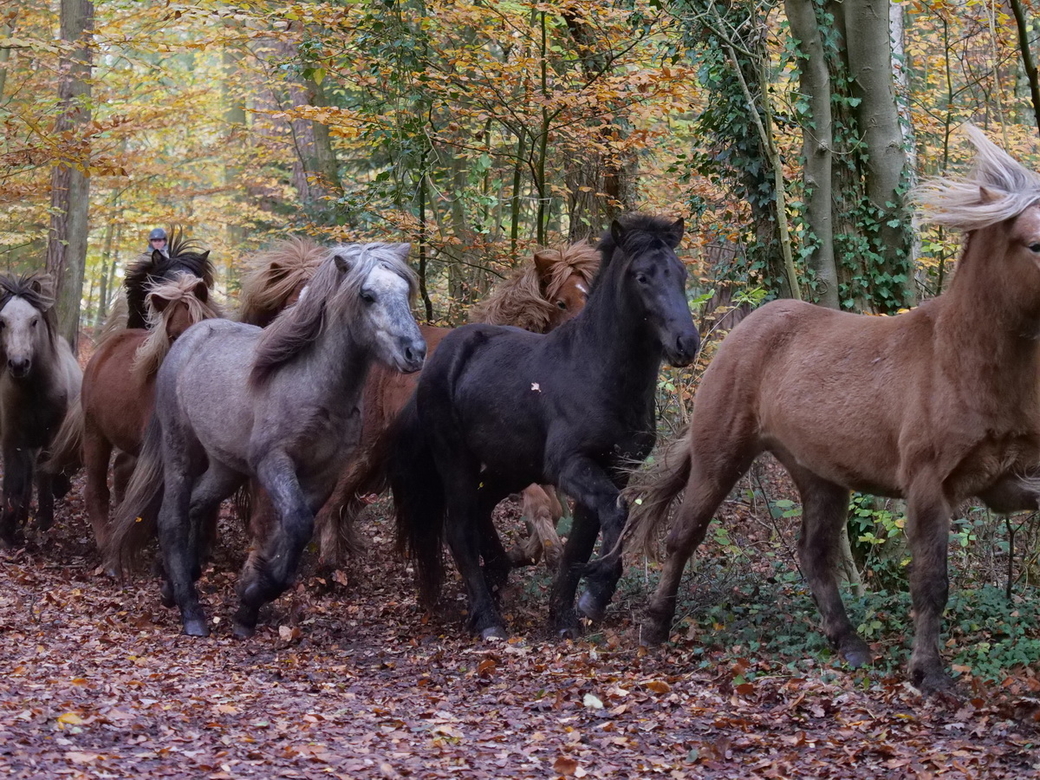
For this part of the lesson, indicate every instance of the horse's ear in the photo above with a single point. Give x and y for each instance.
(675, 232)
(617, 232)
(201, 291)
(987, 195)
(341, 263)
(43, 285)
(204, 256)
(157, 256)
(403, 250)
(158, 302)
(544, 260)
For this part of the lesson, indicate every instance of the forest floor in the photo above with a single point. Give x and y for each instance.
(347, 677)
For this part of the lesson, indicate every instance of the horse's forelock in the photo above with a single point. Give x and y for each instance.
(181, 288)
(36, 290)
(997, 188)
(275, 274)
(579, 258)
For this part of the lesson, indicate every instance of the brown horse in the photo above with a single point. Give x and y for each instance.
(276, 277)
(119, 392)
(539, 297)
(936, 405)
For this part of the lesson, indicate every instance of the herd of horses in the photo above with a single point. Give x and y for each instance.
(324, 390)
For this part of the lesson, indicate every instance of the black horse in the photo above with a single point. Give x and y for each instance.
(498, 408)
(185, 256)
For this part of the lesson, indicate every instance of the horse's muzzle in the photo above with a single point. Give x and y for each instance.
(19, 368)
(684, 350)
(412, 357)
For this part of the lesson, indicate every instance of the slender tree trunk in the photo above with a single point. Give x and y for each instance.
(1025, 47)
(817, 147)
(70, 183)
(869, 54)
(6, 29)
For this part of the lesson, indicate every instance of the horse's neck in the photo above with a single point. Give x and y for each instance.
(335, 365)
(982, 338)
(619, 337)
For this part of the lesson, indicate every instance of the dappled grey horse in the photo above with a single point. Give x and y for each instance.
(279, 405)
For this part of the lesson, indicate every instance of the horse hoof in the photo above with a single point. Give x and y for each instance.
(494, 634)
(242, 631)
(589, 607)
(856, 653)
(572, 633)
(653, 634)
(931, 683)
(196, 627)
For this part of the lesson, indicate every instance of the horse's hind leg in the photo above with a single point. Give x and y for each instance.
(216, 484)
(709, 483)
(825, 507)
(540, 512)
(96, 454)
(266, 576)
(44, 500)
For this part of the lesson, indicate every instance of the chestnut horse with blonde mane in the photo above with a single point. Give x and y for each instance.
(935, 405)
(540, 296)
(275, 279)
(119, 392)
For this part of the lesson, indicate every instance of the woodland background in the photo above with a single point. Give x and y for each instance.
(788, 134)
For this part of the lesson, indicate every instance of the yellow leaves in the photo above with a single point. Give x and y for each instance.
(70, 719)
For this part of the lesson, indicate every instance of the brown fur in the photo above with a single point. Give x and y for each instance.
(275, 279)
(542, 294)
(119, 392)
(935, 405)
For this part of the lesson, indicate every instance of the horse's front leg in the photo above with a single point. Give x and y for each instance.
(266, 576)
(602, 510)
(928, 530)
(44, 499)
(18, 471)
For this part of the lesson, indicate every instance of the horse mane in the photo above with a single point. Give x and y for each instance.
(329, 290)
(997, 188)
(186, 255)
(273, 276)
(38, 291)
(520, 302)
(150, 355)
(641, 231)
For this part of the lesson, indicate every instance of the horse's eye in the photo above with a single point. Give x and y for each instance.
(562, 305)
(32, 323)
(641, 278)
(1034, 248)
(367, 297)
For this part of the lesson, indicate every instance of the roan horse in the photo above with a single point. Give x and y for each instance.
(542, 295)
(499, 408)
(935, 405)
(119, 393)
(278, 405)
(39, 379)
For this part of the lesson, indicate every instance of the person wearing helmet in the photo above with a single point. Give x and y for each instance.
(157, 242)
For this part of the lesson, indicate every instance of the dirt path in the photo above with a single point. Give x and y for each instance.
(350, 679)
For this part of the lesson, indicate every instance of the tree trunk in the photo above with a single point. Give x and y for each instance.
(6, 29)
(1028, 63)
(70, 183)
(869, 51)
(817, 147)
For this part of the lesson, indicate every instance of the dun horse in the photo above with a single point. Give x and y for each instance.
(935, 405)
(542, 295)
(497, 409)
(39, 379)
(279, 405)
(119, 392)
(275, 279)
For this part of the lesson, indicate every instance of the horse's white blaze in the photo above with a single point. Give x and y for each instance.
(19, 337)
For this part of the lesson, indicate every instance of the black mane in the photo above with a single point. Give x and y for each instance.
(640, 232)
(186, 256)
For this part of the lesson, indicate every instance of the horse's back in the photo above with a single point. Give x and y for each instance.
(831, 390)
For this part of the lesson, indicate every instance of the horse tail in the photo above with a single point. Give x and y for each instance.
(650, 494)
(65, 453)
(419, 502)
(135, 520)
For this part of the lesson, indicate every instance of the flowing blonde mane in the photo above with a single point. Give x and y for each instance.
(998, 188)
(519, 300)
(149, 356)
(274, 275)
